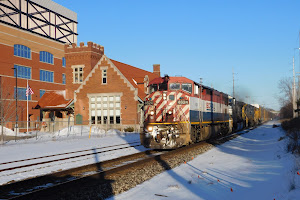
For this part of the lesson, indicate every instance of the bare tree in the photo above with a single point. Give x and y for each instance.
(285, 87)
(285, 97)
(7, 105)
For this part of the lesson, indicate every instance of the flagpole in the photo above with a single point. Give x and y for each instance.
(27, 105)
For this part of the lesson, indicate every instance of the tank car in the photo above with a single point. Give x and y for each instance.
(179, 111)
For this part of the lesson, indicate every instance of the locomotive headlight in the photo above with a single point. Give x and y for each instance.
(152, 112)
(170, 112)
(150, 128)
(164, 96)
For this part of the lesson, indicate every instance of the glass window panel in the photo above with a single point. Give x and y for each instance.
(111, 112)
(98, 99)
(174, 86)
(117, 98)
(93, 113)
(104, 98)
(92, 105)
(118, 120)
(117, 105)
(98, 119)
(118, 113)
(104, 105)
(187, 87)
(98, 112)
(104, 112)
(98, 105)
(111, 105)
(111, 120)
(93, 120)
(111, 98)
(92, 99)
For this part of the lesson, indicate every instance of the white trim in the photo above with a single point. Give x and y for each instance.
(132, 88)
(32, 79)
(73, 72)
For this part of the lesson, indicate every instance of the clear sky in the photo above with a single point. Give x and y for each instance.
(199, 38)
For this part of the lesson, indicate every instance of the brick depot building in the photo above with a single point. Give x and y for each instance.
(32, 49)
(105, 92)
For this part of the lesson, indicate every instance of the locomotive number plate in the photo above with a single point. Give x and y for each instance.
(182, 102)
(148, 103)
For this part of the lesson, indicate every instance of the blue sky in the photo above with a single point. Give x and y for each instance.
(197, 38)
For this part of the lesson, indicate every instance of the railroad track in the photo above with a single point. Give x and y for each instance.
(103, 179)
(56, 162)
(26, 188)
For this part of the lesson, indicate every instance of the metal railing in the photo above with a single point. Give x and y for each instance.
(61, 128)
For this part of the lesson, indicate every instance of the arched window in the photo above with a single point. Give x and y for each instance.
(22, 51)
(46, 57)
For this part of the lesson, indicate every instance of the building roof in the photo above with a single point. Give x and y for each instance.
(54, 100)
(135, 76)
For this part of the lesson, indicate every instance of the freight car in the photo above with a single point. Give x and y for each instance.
(179, 111)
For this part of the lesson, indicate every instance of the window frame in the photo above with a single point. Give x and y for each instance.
(22, 51)
(64, 78)
(46, 57)
(104, 73)
(42, 92)
(20, 70)
(187, 90)
(46, 72)
(74, 67)
(101, 103)
(21, 93)
(64, 63)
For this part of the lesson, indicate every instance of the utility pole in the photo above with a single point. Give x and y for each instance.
(232, 83)
(294, 90)
(16, 125)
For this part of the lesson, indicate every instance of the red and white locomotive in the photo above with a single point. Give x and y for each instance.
(179, 111)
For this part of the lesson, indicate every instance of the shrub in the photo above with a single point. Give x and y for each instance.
(129, 129)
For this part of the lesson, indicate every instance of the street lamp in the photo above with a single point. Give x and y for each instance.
(16, 74)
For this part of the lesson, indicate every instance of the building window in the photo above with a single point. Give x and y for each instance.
(22, 51)
(21, 94)
(42, 92)
(78, 74)
(46, 76)
(46, 57)
(63, 79)
(64, 62)
(23, 72)
(105, 109)
(104, 76)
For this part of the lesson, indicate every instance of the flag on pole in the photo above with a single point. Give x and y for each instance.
(29, 91)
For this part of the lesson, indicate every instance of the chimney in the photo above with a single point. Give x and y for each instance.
(156, 69)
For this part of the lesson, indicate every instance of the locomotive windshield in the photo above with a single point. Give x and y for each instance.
(187, 87)
(174, 86)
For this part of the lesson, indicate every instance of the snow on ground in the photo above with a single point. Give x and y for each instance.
(74, 139)
(253, 166)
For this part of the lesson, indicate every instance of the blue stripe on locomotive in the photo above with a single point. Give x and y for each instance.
(208, 116)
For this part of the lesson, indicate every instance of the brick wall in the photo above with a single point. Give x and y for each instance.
(115, 84)
(10, 36)
(87, 56)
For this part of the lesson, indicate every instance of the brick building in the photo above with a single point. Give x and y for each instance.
(32, 38)
(106, 93)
